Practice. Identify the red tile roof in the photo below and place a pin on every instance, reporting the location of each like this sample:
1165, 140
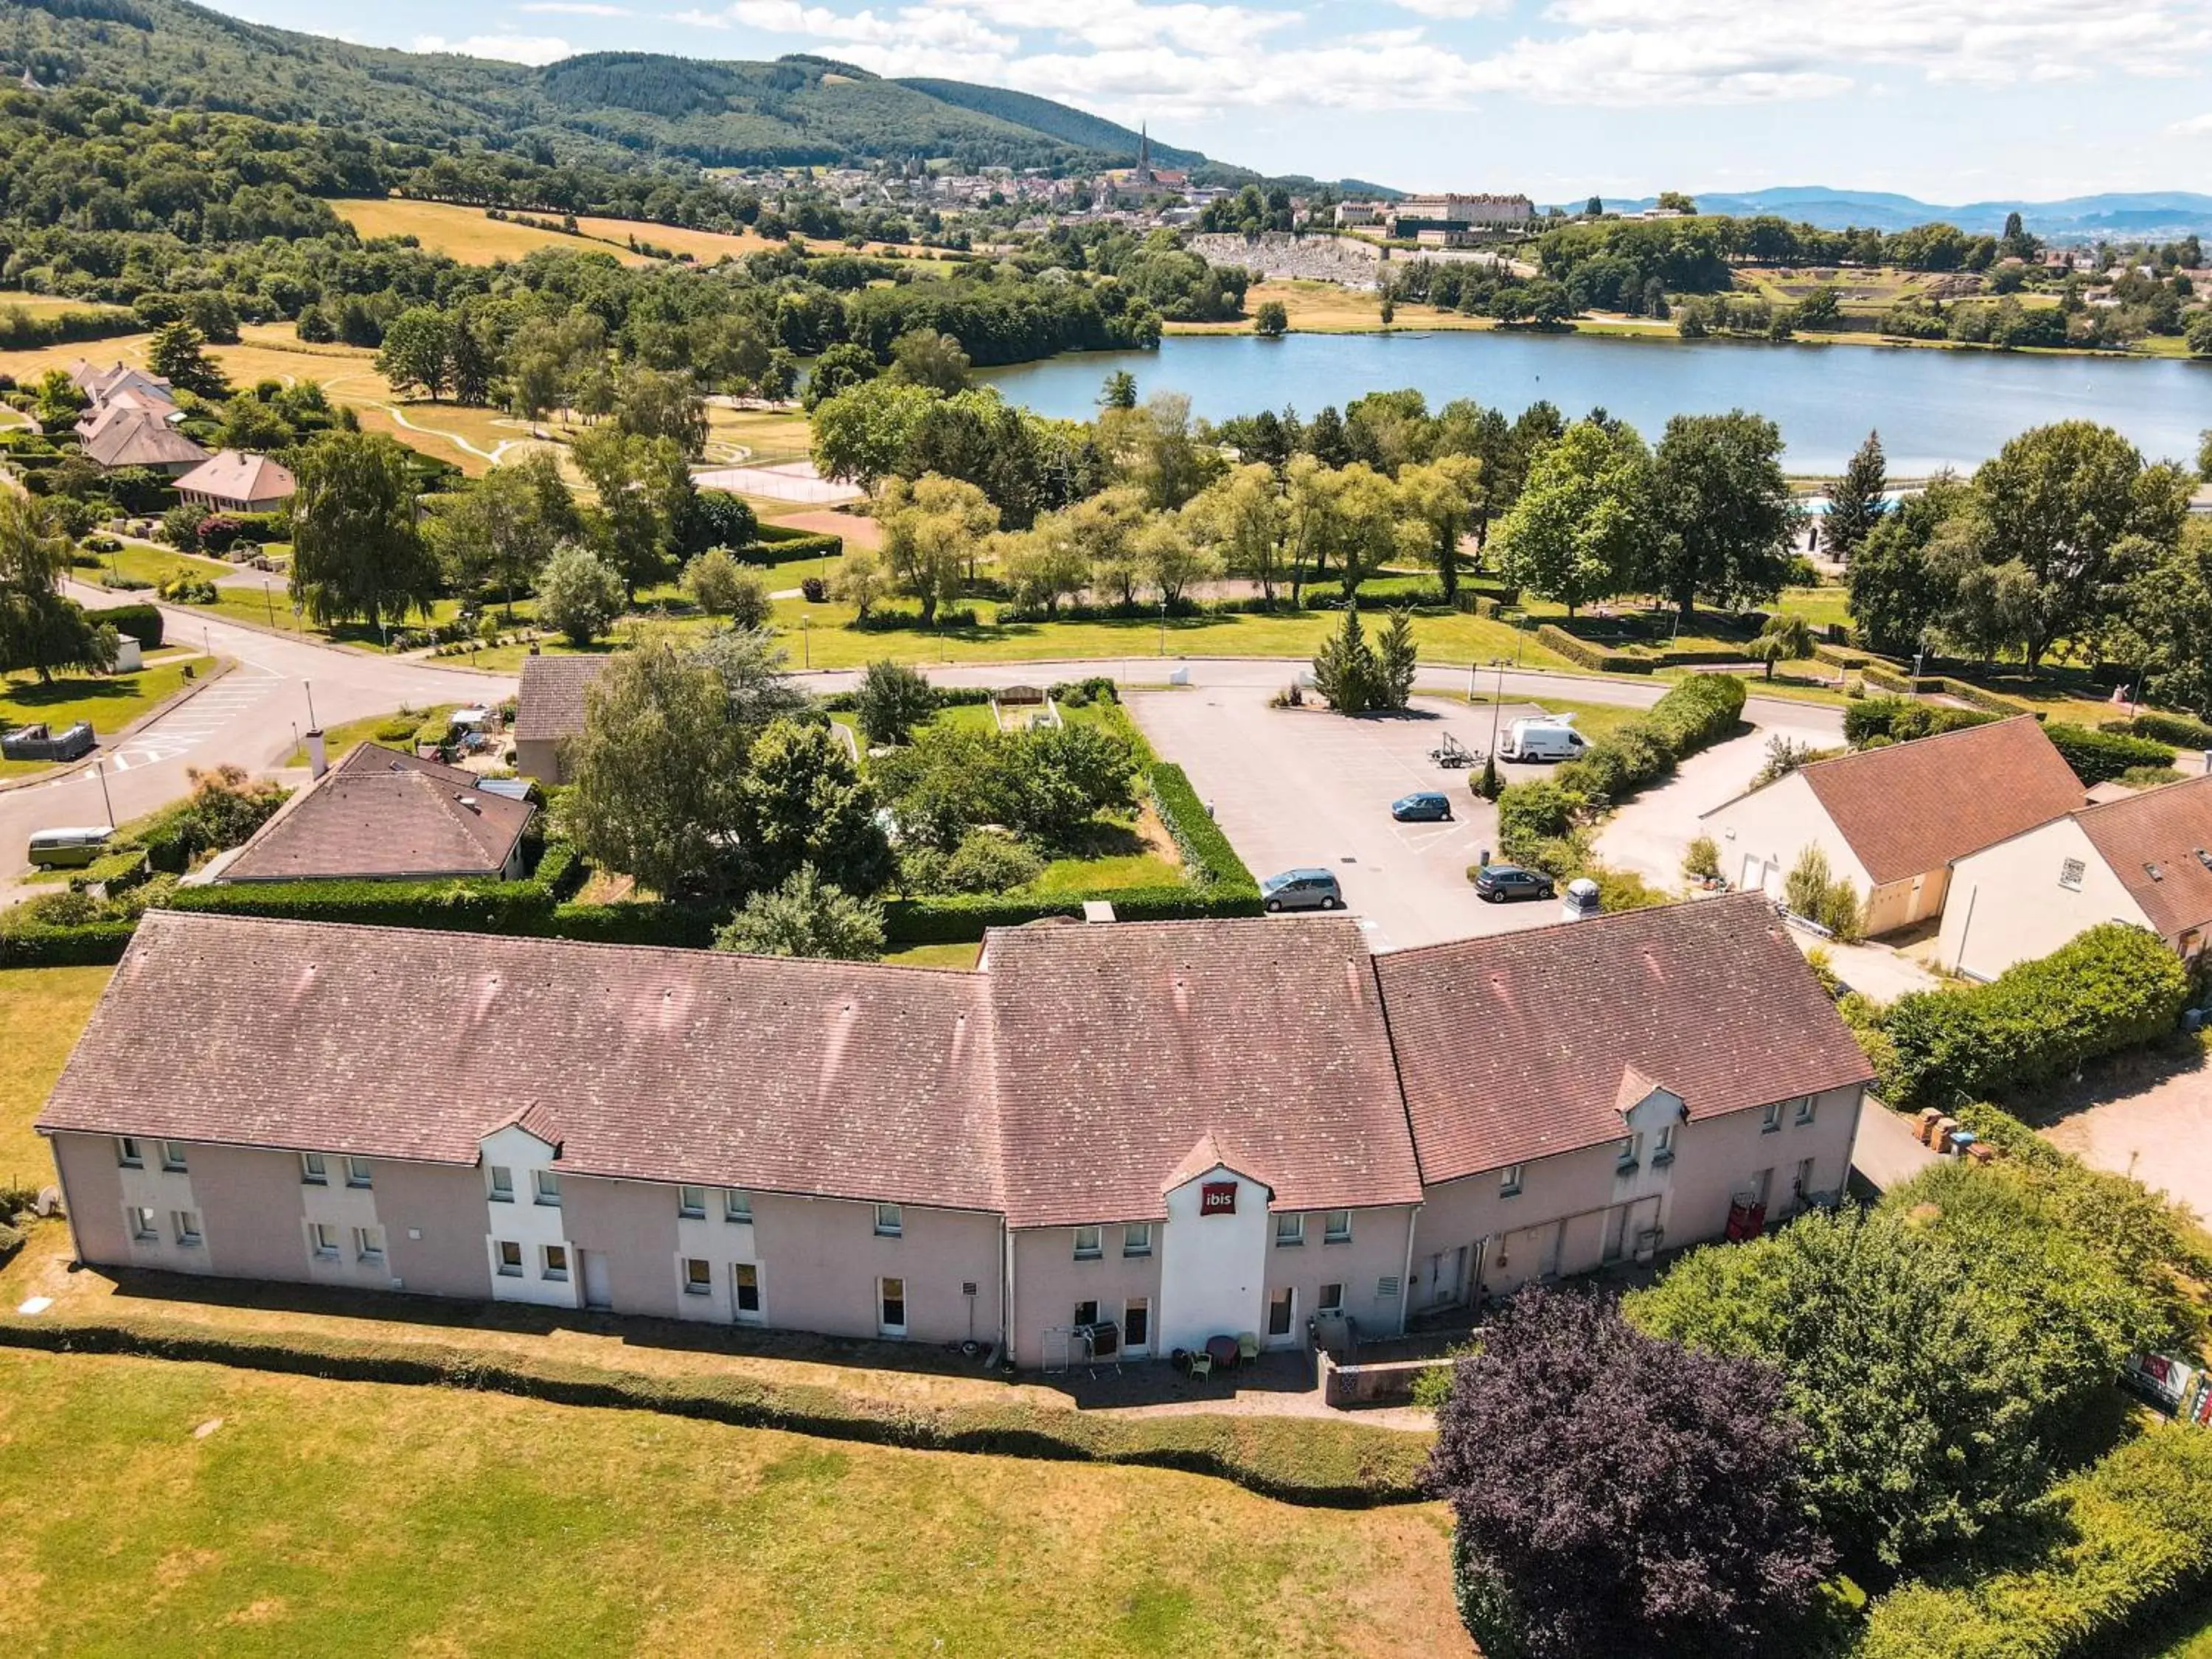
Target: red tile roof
2168, 828
1913, 807
1122, 1045
549, 699
830, 1079
1514, 1047
230, 475
122, 436
382, 815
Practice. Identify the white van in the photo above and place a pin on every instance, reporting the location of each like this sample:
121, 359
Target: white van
1550, 739
60, 850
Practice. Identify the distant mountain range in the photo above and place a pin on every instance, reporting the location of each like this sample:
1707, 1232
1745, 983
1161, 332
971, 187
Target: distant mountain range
2130, 214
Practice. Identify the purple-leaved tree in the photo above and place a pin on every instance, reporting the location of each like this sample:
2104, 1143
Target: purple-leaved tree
1616, 1493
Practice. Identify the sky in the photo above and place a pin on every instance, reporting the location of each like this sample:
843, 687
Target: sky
1950, 101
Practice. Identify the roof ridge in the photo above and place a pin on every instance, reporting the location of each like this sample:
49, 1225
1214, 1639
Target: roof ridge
1921, 743
2156, 791
1710, 902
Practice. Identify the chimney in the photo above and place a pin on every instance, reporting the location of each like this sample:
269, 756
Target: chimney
1580, 900
318, 756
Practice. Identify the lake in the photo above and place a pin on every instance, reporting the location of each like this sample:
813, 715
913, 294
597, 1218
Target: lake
1934, 408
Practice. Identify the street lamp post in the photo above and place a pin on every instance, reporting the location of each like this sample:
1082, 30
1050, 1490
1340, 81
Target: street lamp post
99, 771
312, 725
269, 604
1497, 704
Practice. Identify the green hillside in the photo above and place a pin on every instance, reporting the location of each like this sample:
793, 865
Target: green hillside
607, 109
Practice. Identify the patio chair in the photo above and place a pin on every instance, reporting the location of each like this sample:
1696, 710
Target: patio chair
1248, 1348
1201, 1362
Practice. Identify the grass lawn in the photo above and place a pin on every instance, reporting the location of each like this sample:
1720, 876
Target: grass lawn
136, 562
961, 956
1324, 308
111, 702
1594, 720
42, 1010
181, 1508
339, 741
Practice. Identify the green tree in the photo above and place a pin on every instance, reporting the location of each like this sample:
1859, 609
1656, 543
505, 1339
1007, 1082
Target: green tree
1043, 564
924, 357
1375, 526
840, 367
1785, 638
806, 916
1241, 515
40, 629
579, 594
1902, 581
1395, 661
647, 500
660, 773
1271, 321
1170, 558
930, 528
1721, 513
1674, 201
861, 579
178, 354
418, 351
1344, 668
752, 668
720, 587
805, 804
1573, 534
1856, 501
649, 403
357, 549
1119, 391
891, 700
1154, 448
499, 531
1445, 494
2171, 611
472, 362
2073, 515
862, 434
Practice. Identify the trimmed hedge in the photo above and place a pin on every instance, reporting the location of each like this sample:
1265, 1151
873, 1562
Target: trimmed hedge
2100, 756
95, 944
2178, 730
1901, 720
2132, 1533
143, 623
2116, 986
776, 543
1595, 657
1205, 851
1293, 1460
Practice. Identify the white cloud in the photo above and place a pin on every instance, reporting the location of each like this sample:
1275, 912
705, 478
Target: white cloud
1130, 24
2196, 126
914, 28
532, 49
575, 8
1455, 9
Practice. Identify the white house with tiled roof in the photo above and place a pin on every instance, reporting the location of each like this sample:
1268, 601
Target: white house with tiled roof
1159, 1132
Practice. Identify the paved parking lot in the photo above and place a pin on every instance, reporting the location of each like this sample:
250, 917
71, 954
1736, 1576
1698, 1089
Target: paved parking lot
1304, 786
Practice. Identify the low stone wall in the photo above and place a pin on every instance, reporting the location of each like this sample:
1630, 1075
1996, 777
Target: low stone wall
1375, 1382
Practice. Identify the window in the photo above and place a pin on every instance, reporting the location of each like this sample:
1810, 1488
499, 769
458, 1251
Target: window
143, 1227
502, 1184
127, 1152
188, 1227
1289, 1229
324, 1238
357, 1172
1137, 1238
890, 1223
1771, 1119
1136, 1323
314, 1170
691, 1203
2070, 871
738, 1206
1509, 1182
1662, 1146
173, 1155
510, 1259
1086, 1313
1336, 1227
554, 1264
1090, 1244
549, 1187
746, 1277
698, 1277
890, 1312
1625, 1152
1332, 1298
368, 1245
1282, 1311
1805, 1109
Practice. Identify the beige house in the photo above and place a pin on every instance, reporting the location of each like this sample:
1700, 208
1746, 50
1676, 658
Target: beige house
124, 434
1118, 1138
550, 710
232, 481
2144, 859
1891, 820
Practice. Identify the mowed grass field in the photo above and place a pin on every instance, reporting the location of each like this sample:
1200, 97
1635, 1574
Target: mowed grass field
167, 1508
42, 1010
1325, 308
464, 234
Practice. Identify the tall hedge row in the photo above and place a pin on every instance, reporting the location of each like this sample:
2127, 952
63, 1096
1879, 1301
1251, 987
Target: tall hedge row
2128, 1534
2115, 986
2100, 756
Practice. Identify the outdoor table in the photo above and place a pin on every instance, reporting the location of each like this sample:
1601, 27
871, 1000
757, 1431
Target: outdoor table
1222, 1350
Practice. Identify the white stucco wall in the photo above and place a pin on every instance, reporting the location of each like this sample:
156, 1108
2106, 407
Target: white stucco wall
528, 1223
1213, 1268
1774, 825
2007, 904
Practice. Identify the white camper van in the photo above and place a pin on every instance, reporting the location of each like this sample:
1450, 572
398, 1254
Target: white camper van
1550, 739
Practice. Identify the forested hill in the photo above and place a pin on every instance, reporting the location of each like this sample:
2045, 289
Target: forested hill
606, 108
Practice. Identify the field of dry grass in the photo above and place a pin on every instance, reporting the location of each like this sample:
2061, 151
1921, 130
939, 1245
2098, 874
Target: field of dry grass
464, 232
1324, 308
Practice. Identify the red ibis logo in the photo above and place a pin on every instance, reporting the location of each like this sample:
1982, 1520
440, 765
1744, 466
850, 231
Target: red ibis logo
1217, 1198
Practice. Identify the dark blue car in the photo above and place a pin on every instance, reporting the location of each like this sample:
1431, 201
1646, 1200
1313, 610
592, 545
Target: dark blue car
1426, 807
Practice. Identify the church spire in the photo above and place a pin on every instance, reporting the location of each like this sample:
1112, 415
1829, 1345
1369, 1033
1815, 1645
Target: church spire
1145, 153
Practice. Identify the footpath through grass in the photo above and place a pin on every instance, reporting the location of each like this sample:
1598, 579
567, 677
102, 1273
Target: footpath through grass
42, 1012
162, 1508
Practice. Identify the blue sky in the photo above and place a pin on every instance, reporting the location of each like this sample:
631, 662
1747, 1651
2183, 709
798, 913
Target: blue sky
1947, 100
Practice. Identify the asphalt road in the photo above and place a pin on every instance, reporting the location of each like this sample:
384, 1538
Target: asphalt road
251, 716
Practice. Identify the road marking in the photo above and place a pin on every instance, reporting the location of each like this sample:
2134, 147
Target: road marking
248, 687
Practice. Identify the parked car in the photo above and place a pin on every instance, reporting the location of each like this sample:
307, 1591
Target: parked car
68, 849
1301, 889
1496, 882
1540, 740
1422, 807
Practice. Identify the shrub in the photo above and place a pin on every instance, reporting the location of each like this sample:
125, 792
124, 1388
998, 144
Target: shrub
1813, 891
776, 543
1538, 811
1901, 718
813, 589
987, 860
1701, 861
2149, 777
1208, 859
2116, 986
579, 594
2178, 730
720, 587
891, 700
143, 623
1597, 659
224, 808
806, 916
1486, 784
218, 531
2100, 756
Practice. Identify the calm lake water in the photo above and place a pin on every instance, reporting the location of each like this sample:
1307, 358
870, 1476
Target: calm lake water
1934, 409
